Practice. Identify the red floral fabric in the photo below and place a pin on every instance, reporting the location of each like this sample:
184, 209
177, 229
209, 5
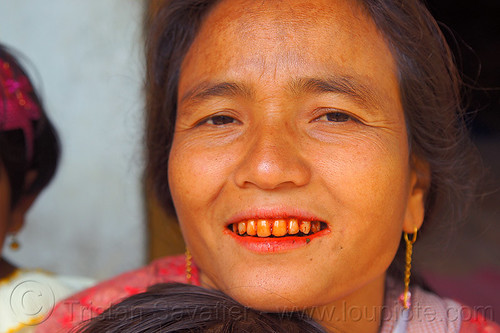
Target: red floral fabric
91, 302
474, 322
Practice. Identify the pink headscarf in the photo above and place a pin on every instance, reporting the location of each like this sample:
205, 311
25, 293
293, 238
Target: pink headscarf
19, 110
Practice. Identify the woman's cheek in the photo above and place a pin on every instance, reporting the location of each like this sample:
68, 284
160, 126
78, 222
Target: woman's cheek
196, 175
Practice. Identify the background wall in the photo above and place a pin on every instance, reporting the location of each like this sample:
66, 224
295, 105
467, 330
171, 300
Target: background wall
87, 54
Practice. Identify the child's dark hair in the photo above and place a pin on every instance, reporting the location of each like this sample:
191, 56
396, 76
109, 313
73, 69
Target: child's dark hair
16, 155
182, 308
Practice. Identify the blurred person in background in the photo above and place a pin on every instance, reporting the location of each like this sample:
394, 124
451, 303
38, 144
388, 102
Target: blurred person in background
29, 153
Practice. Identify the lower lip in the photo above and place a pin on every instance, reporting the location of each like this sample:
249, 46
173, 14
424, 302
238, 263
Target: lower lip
276, 245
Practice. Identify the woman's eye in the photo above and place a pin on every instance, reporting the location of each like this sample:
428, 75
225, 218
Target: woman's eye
337, 117
220, 120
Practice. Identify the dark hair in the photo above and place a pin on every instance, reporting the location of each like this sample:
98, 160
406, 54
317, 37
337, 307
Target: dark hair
431, 95
170, 28
13, 146
430, 88
177, 307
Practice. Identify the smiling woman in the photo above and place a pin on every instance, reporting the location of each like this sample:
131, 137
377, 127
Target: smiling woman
286, 157
300, 143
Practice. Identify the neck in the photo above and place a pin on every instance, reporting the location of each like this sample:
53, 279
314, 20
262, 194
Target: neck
360, 311
6, 268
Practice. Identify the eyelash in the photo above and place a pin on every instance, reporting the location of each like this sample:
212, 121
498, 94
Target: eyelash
333, 117
344, 117
218, 120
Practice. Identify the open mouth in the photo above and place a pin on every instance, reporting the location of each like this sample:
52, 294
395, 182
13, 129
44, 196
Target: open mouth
276, 227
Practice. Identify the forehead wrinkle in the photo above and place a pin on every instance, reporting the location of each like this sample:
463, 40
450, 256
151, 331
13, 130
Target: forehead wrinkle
285, 14
343, 85
279, 20
278, 24
250, 22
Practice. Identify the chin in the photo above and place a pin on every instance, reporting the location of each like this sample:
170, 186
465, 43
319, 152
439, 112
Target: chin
275, 290
267, 300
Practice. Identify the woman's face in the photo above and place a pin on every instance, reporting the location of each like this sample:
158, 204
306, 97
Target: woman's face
289, 111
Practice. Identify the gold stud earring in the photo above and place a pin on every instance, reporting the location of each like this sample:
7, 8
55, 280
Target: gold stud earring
409, 252
14, 243
188, 266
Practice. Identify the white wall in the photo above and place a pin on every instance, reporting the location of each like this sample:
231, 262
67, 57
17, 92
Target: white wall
90, 221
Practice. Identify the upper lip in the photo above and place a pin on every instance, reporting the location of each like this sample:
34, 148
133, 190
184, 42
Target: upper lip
274, 212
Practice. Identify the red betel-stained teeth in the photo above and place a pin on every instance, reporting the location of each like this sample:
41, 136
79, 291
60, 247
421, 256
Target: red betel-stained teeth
263, 228
242, 228
251, 227
315, 226
279, 228
305, 227
293, 226
275, 227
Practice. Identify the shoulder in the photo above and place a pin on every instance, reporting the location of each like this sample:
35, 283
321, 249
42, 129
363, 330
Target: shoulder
432, 313
475, 322
93, 301
446, 315
28, 296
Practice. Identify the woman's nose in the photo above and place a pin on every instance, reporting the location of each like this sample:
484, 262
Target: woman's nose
273, 160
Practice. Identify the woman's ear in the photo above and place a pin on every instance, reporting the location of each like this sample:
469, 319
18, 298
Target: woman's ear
24, 203
420, 182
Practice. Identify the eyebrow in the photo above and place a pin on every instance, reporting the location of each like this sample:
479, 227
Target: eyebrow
206, 90
343, 85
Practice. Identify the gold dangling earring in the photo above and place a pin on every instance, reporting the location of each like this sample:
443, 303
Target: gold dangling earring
409, 252
402, 322
188, 266
14, 243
